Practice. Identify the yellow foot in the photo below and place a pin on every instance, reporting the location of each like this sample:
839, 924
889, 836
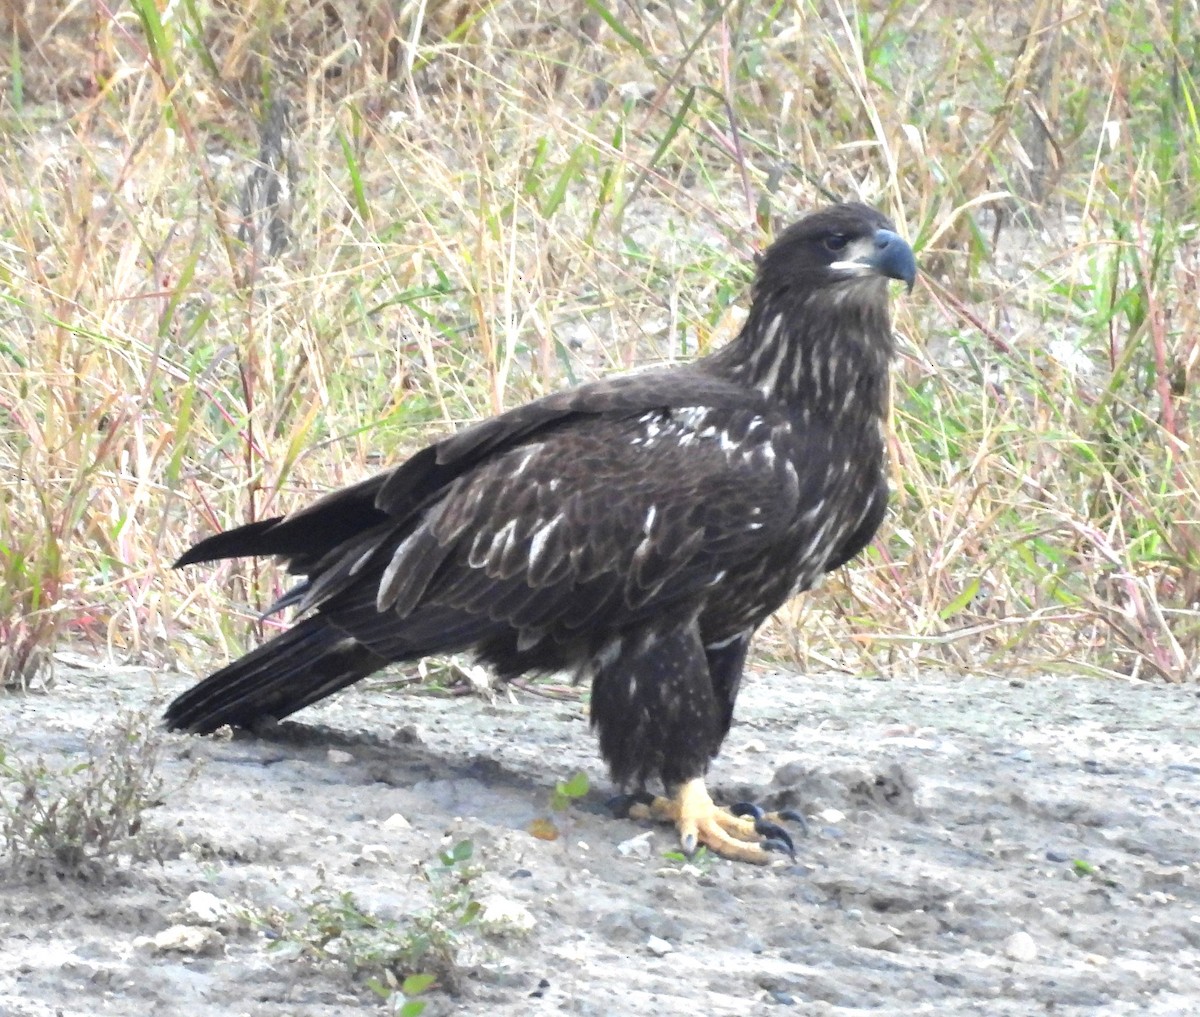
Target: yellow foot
755, 838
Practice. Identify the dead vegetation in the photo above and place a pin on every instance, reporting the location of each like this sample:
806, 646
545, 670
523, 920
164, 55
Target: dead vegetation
478, 203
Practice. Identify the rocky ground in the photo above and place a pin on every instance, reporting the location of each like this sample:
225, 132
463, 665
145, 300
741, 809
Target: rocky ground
975, 847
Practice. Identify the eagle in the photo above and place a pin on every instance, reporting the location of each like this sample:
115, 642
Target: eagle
634, 532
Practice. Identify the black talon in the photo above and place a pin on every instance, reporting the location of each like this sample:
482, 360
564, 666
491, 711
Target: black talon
620, 805
776, 834
750, 809
792, 816
783, 847
746, 809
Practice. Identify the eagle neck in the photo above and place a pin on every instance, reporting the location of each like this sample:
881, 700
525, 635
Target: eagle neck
823, 352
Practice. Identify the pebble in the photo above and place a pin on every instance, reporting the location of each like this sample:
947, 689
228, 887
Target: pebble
395, 822
659, 947
204, 908
636, 847
1021, 947
654, 922
200, 942
674, 872
501, 916
878, 937
1169, 876
795, 772
376, 854
339, 757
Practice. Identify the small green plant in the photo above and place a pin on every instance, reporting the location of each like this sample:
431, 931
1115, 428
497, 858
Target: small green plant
701, 859
403, 999
1088, 870
398, 959
565, 792
436, 931
76, 818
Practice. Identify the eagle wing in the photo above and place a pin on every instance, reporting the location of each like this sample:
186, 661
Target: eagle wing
594, 507
315, 538
594, 523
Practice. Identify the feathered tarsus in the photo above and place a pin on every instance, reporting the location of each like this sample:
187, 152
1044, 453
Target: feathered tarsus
634, 531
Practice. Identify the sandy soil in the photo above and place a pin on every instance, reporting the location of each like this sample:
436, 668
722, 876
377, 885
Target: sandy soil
940, 875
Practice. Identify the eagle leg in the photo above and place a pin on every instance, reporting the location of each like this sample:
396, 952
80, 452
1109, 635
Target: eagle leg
744, 833
659, 714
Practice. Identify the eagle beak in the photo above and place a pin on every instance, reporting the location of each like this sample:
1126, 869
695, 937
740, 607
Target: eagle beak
886, 254
892, 257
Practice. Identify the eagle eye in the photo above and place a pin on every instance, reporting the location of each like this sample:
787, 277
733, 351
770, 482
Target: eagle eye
836, 242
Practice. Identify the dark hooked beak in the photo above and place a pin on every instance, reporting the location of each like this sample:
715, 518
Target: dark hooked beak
892, 257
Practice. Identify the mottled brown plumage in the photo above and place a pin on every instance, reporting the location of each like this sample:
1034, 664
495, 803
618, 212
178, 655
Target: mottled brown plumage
634, 531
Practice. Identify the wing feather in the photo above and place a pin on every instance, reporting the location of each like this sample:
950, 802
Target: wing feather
588, 525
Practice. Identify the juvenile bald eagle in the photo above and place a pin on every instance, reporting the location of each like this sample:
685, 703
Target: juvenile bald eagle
634, 531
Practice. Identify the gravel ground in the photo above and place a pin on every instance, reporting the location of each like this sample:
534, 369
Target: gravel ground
974, 847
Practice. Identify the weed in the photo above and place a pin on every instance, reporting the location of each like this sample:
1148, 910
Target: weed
698, 863
396, 959
561, 798
77, 819
567, 791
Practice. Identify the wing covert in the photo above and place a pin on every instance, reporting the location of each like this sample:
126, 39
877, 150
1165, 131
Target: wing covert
537, 537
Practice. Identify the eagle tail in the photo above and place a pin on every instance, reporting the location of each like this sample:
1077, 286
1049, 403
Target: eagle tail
306, 663
236, 543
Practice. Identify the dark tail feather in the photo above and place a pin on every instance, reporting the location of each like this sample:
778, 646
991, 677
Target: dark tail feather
306, 663
304, 536
244, 540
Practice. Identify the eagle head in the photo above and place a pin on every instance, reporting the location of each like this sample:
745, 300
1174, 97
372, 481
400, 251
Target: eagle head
840, 244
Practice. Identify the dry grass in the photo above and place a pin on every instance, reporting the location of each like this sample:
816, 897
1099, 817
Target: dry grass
490, 201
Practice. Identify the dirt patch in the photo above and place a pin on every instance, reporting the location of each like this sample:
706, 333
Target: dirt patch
975, 847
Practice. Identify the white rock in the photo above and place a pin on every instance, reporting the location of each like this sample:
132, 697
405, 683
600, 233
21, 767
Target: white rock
500, 915
376, 854
1021, 947
679, 871
831, 815
204, 908
659, 947
338, 757
183, 939
636, 847
396, 822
